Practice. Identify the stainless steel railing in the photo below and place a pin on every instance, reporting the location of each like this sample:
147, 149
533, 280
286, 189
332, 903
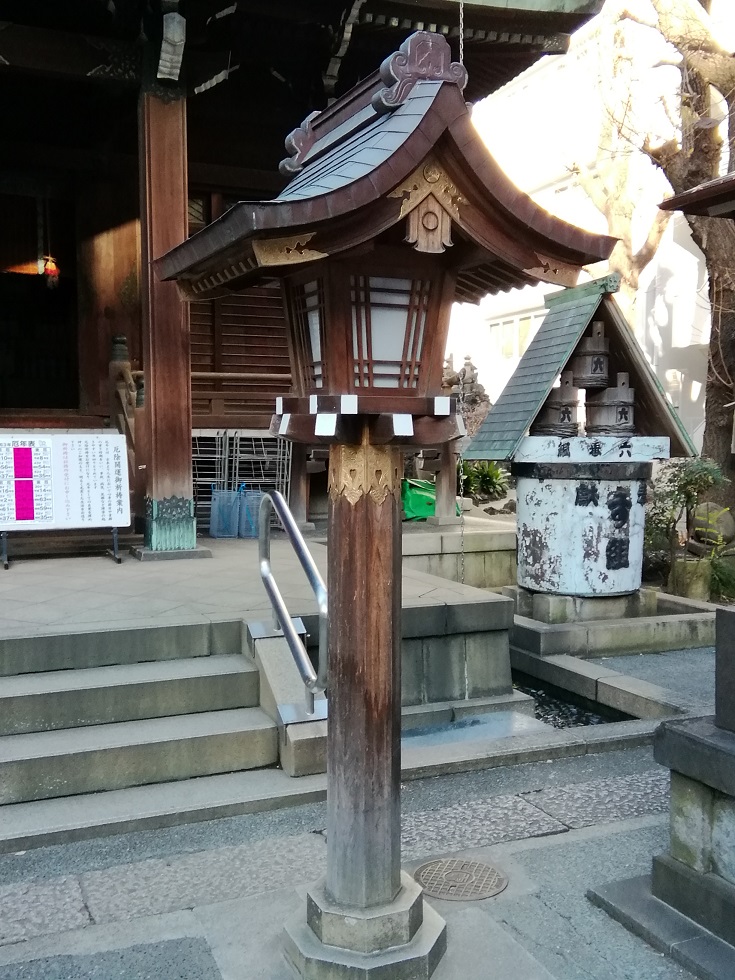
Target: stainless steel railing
314, 681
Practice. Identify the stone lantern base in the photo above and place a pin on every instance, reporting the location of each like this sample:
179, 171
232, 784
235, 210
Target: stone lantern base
401, 941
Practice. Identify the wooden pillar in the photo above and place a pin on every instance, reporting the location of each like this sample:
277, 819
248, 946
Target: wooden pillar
298, 500
363, 748
170, 524
445, 511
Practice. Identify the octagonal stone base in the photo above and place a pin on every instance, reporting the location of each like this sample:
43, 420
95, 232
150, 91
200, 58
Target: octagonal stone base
313, 960
370, 930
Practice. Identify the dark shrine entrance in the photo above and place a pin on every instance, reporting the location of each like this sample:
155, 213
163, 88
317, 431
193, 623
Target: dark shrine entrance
38, 301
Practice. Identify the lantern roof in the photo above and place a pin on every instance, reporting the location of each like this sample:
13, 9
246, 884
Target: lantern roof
397, 146
714, 199
570, 313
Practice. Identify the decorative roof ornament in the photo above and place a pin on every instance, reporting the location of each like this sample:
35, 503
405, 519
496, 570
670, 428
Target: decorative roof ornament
298, 143
421, 57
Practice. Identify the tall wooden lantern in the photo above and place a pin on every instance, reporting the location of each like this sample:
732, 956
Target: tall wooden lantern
394, 209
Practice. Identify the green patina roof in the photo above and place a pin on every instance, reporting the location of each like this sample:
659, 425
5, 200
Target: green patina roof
570, 313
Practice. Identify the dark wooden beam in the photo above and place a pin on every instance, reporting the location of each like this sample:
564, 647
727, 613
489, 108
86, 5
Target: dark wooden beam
58, 53
102, 162
21, 154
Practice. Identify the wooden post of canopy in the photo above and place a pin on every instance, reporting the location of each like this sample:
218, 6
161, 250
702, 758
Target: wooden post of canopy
298, 500
170, 522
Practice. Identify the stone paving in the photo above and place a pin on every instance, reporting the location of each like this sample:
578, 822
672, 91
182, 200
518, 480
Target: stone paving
692, 671
58, 595
155, 904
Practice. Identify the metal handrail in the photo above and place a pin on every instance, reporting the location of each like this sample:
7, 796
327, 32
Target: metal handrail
314, 681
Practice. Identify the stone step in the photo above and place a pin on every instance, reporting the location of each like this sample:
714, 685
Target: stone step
46, 822
63, 699
45, 765
80, 650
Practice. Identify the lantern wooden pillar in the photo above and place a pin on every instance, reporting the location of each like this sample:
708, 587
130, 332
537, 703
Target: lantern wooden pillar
364, 752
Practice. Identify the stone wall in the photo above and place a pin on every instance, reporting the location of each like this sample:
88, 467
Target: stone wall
453, 652
489, 557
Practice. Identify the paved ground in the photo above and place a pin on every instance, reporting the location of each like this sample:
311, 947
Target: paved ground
208, 901
56, 595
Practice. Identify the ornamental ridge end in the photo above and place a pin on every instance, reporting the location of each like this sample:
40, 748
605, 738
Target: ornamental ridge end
423, 57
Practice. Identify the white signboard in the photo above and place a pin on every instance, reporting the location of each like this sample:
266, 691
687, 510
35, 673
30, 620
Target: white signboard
63, 481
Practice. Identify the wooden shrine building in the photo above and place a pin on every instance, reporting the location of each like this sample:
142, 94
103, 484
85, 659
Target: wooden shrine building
130, 125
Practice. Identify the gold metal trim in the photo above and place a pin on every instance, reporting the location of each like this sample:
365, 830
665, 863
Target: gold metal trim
286, 251
365, 470
429, 178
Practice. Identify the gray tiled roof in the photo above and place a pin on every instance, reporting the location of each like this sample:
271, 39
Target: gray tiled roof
520, 401
362, 152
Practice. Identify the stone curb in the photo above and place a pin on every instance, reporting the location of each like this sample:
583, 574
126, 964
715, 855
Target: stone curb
629, 695
631, 903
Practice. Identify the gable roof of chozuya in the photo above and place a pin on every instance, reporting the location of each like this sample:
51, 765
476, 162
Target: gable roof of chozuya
361, 166
570, 313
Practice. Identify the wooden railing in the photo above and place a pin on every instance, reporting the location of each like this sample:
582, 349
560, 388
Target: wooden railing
126, 411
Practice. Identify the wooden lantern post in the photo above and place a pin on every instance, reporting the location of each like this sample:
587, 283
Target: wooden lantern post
394, 209
364, 754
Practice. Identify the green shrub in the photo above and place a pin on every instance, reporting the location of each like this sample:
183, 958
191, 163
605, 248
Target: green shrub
482, 479
492, 479
467, 479
677, 489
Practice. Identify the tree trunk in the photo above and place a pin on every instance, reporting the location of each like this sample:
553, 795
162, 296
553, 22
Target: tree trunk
719, 397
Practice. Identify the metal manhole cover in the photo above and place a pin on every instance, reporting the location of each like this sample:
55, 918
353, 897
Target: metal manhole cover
460, 881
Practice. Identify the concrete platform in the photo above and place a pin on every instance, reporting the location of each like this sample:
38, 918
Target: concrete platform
55, 596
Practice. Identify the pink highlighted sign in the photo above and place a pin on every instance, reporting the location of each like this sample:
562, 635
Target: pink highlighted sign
24, 508
23, 463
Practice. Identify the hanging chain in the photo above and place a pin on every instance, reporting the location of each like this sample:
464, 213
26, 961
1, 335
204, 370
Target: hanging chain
461, 32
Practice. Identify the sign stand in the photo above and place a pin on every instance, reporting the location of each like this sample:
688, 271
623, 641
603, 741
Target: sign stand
113, 552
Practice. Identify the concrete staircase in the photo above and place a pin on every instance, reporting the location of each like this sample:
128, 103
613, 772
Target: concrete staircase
126, 730
87, 718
